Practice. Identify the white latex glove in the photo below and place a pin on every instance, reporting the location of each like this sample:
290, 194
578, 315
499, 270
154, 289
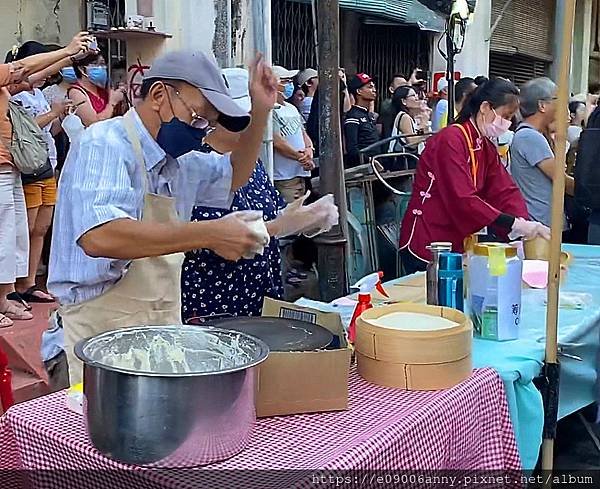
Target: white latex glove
528, 230
316, 218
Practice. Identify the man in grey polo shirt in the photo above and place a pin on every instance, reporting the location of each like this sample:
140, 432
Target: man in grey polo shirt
532, 158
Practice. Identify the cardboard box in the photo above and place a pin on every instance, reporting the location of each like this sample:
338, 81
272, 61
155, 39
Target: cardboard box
304, 382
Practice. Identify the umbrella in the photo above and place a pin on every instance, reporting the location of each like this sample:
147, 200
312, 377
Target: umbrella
551, 367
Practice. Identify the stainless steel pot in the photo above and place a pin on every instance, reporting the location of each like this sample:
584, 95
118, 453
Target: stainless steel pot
170, 396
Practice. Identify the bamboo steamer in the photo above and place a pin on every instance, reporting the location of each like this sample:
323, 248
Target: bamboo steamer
539, 249
414, 359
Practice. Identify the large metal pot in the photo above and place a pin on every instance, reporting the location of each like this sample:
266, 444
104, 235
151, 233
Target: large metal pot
170, 396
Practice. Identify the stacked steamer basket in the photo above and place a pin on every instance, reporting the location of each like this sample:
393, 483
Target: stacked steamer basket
414, 347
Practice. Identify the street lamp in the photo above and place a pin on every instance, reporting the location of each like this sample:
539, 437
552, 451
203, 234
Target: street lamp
457, 13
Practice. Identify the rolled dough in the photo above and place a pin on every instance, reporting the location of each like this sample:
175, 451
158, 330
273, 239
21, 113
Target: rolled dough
413, 321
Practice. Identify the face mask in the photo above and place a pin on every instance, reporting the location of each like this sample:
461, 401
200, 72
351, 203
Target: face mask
497, 127
68, 74
288, 91
177, 138
98, 75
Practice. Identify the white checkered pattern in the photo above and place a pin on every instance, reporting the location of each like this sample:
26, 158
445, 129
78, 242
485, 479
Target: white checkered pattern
464, 428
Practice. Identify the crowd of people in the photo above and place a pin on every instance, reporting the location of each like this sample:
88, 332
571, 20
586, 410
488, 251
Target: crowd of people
152, 211
509, 132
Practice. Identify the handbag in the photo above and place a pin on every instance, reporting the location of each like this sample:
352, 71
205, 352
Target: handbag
43, 173
27, 146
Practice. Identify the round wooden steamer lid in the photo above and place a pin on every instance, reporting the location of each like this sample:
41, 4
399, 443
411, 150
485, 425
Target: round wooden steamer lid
414, 347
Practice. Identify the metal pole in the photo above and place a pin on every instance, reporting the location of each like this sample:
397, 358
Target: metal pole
228, 43
558, 194
261, 30
450, 52
313, 8
333, 281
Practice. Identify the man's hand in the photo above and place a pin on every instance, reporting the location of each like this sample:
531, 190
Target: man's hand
263, 86
413, 78
17, 73
308, 165
79, 43
306, 154
236, 237
306, 159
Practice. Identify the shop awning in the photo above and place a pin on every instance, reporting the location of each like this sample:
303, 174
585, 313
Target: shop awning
406, 12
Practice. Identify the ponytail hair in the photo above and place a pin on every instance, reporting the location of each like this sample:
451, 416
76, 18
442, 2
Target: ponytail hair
497, 92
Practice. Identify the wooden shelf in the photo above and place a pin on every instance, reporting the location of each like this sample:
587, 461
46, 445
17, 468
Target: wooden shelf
131, 34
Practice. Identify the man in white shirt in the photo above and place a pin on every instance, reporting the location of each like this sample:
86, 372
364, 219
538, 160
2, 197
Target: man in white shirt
441, 108
293, 149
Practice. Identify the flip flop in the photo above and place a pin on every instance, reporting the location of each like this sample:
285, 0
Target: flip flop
16, 297
29, 296
14, 313
5, 322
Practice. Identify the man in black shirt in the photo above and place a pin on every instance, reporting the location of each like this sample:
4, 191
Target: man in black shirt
360, 127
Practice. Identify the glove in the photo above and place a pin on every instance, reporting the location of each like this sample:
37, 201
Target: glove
316, 218
528, 230
254, 220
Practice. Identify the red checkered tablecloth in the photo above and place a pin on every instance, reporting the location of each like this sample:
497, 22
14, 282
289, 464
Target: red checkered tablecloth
43, 445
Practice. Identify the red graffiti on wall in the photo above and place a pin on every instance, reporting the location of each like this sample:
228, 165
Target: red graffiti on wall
136, 75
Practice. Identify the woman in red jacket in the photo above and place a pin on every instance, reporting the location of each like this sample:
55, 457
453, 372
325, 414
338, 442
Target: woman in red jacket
461, 187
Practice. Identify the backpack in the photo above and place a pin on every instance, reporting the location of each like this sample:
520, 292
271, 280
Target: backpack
28, 145
587, 169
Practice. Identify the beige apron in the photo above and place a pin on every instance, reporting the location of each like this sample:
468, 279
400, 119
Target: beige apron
149, 293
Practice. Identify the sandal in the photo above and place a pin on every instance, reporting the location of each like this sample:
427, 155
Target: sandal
13, 312
16, 297
29, 296
5, 322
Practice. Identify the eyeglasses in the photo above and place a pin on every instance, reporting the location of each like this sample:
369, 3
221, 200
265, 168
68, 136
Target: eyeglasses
198, 122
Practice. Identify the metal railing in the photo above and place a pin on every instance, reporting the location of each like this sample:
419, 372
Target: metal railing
365, 175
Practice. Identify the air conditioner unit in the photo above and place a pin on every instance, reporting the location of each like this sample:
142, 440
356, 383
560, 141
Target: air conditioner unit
98, 15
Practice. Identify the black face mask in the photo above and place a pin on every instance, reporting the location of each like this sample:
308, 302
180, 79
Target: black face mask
177, 138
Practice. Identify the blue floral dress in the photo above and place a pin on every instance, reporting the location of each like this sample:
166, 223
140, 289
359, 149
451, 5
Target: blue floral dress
213, 286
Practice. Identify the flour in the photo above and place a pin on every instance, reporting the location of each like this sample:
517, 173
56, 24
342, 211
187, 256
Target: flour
412, 321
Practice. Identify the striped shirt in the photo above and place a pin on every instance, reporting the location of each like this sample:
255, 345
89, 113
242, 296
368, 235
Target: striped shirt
102, 181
